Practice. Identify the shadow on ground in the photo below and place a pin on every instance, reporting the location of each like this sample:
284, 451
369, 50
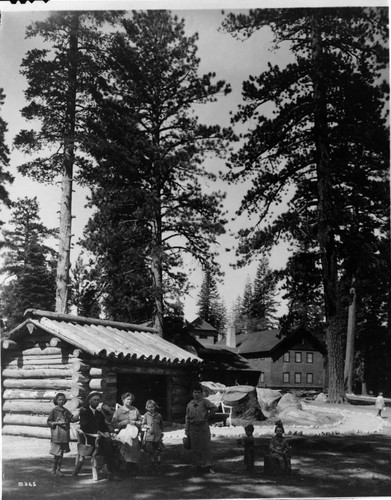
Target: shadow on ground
322, 467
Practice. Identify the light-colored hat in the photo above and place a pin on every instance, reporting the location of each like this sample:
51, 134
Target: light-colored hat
92, 394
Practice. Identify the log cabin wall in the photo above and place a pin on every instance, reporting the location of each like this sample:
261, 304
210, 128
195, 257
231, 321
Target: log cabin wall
34, 371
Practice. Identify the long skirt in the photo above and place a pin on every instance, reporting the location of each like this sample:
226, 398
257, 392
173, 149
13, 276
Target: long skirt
200, 442
131, 453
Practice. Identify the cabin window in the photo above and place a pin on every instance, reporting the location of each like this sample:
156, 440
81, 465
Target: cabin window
310, 357
287, 357
310, 378
286, 377
297, 378
262, 377
297, 357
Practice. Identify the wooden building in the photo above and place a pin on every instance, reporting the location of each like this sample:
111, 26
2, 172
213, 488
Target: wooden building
50, 353
295, 361
203, 332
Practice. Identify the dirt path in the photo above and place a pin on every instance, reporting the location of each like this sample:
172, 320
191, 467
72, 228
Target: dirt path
349, 458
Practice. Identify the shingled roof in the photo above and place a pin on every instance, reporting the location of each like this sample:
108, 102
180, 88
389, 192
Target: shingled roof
105, 338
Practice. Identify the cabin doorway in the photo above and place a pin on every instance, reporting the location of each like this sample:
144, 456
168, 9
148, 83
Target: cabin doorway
144, 386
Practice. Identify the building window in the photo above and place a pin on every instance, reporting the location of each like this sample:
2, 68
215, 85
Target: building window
310, 378
310, 357
297, 357
262, 378
285, 377
297, 378
287, 357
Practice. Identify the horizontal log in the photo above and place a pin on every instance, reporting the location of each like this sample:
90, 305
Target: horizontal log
27, 431
31, 394
80, 366
79, 391
97, 384
10, 344
97, 372
56, 342
21, 419
80, 378
39, 406
39, 373
77, 353
34, 351
37, 383
45, 361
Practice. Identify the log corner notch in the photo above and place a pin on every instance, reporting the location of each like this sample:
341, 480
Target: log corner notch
9, 344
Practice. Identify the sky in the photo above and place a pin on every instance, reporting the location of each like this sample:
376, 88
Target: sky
232, 60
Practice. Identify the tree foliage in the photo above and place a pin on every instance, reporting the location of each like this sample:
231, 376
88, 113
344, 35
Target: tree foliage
61, 83
150, 148
29, 264
320, 141
5, 176
210, 306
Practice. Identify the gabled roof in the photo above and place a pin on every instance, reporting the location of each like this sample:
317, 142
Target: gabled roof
201, 324
269, 343
201, 327
106, 338
259, 342
224, 358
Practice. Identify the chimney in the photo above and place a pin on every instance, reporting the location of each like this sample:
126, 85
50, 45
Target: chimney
231, 335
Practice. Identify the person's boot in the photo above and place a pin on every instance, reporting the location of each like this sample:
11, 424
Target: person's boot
77, 469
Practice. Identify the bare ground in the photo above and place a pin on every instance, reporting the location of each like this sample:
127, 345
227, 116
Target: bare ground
347, 454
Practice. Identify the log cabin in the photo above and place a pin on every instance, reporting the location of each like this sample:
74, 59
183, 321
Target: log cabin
50, 353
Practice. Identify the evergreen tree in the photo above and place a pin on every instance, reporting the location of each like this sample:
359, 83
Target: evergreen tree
29, 264
148, 138
119, 245
210, 306
246, 305
326, 133
85, 295
5, 176
236, 315
61, 83
263, 302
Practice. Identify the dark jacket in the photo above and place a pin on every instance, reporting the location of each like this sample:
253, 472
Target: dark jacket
91, 424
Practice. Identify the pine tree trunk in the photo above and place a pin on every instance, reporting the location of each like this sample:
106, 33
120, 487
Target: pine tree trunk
348, 372
326, 236
64, 250
156, 267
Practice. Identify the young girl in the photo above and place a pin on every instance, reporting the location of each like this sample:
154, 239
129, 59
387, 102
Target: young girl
59, 422
279, 449
197, 429
152, 424
248, 444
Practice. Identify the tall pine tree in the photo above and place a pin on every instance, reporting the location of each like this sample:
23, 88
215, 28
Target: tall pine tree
150, 138
61, 84
326, 132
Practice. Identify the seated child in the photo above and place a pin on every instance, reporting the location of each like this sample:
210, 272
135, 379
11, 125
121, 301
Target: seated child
279, 449
152, 424
248, 443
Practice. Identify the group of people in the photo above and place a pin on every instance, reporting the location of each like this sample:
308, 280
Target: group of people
126, 421
129, 426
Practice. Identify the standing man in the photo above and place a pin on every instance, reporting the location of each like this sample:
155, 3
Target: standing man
93, 424
380, 404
